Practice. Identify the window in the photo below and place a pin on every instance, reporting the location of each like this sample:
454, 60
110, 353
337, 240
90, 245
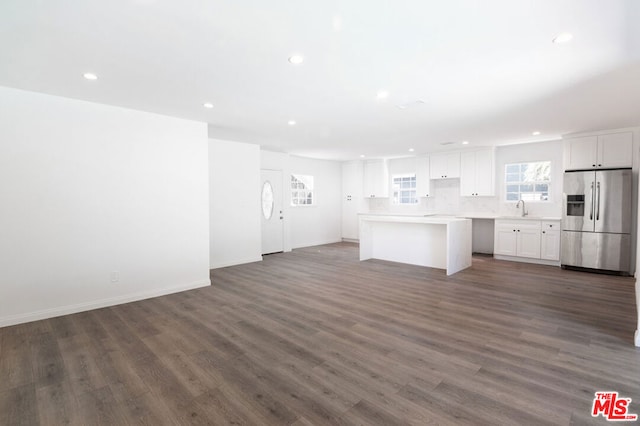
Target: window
301, 190
528, 181
267, 200
404, 189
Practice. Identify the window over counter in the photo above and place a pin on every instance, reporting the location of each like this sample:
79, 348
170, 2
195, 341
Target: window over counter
404, 189
528, 181
302, 190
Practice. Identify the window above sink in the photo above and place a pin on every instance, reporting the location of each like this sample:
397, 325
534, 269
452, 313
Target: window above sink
530, 182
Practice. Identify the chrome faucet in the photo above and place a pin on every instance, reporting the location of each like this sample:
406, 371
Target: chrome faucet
524, 212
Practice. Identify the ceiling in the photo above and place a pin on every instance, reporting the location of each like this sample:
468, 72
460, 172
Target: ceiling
484, 71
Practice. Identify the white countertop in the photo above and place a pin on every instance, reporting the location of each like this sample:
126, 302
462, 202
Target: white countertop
430, 219
529, 218
444, 217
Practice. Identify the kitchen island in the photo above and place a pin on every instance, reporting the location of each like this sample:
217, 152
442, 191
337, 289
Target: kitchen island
442, 242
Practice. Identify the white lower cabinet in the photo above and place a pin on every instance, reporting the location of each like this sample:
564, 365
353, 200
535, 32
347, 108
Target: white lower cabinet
517, 238
531, 239
550, 241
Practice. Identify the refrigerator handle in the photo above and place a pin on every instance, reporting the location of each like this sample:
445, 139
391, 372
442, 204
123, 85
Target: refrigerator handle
592, 197
598, 203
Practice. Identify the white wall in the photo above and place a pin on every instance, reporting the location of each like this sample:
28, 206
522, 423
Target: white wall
234, 199
309, 225
320, 223
446, 197
539, 151
88, 190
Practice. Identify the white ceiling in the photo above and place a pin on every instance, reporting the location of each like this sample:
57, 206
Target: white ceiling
486, 70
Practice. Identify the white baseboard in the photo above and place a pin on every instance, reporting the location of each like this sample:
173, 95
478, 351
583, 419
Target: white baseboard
350, 240
317, 243
527, 260
96, 304
235, 262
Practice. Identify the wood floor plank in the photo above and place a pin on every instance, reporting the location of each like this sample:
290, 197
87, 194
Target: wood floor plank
58, 405
16, 367
47, 363
316, 336
99, 407
18, 406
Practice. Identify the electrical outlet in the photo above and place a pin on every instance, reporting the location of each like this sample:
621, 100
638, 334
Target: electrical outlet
115, 276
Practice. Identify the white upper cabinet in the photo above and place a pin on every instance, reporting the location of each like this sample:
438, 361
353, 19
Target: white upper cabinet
615, 150
477, 173
376, 179
599, 152
423, 178
445, 166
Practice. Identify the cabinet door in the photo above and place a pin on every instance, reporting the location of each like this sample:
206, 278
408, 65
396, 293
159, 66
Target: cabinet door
351, 198
444, 166
505, 240
453, 165
423, 177
467, 174
550, 245
615, 150
528, 244
485, 173
580, 153
376, 179
438, 166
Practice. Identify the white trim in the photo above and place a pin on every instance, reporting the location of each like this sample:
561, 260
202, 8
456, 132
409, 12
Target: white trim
350, 240
236, 262
318, 243
601, 132
87, 306
527, 260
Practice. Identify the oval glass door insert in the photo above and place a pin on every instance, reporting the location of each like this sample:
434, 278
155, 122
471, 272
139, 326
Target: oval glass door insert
267, 200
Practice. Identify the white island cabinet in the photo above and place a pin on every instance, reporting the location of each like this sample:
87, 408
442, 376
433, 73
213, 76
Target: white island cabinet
435, 242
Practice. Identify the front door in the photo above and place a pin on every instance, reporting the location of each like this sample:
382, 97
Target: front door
272, 218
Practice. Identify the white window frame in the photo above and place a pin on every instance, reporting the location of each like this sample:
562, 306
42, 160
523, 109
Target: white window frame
302, 192
412, 191
534, 196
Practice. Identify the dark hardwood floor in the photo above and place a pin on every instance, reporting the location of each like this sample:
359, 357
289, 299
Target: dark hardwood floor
317, 337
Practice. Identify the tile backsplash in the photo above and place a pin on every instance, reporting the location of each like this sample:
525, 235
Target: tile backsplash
447, 200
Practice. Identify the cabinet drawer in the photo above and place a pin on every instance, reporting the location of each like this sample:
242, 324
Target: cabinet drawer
551, 226
518, 224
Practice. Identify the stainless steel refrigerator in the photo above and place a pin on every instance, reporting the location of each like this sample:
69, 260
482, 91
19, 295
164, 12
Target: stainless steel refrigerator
596, 220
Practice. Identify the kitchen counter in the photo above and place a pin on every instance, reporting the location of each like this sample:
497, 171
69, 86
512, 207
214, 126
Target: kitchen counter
464, 216
435, 241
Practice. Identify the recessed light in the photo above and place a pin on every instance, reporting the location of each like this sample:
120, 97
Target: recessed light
465, 142
291, 122
411, 149
296, 59
90, 76
563, 38
536, 133
361, 155
207, 105
382, 94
